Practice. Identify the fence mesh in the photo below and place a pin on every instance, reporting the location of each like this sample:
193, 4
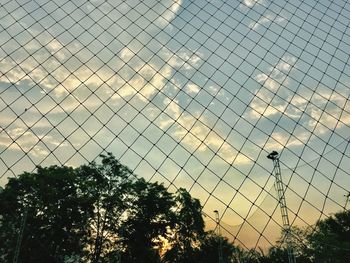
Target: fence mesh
193, 94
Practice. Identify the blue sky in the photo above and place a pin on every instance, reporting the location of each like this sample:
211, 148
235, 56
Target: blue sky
194, 94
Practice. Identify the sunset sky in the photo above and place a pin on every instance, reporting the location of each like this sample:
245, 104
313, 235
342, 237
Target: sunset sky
194, 94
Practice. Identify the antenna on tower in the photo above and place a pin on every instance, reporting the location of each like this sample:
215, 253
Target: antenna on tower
283, 204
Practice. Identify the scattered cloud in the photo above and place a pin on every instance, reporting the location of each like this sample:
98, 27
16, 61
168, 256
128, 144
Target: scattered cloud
194, 132
183, 58
278, 141
192, 88
336, 116
251, 3
264, 20
265, 102
170, 13
24, 140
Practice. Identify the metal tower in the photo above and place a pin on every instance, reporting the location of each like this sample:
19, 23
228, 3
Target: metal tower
283, 205
217, 218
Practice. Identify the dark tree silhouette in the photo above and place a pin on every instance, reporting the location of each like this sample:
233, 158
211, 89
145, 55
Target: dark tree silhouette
99, 212
188, 232
148, 218
209, 252
330, 239
94, 213
57, 216
107, 187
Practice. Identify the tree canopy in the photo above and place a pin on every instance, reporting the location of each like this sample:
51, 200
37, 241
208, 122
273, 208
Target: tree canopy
96, 213
101, 212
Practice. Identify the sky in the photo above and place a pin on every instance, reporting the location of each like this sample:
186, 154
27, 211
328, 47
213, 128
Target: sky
192, 94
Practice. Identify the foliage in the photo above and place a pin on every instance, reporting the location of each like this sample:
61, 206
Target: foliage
101, 212
148, 217
107, 188
330, 239
327, 241
209, 252
56, 224
188, 229
96, 212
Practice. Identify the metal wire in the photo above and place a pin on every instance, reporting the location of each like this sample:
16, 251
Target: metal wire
194, 94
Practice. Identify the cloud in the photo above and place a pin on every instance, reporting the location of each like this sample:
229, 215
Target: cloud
251, 3
192, 88
126, 54
194, 132
143, 84
318, 121
335, 117
59, 63
143, 79
278, 141
183, 58
266, 20
319, 110
24, 140
170, 13
265, 102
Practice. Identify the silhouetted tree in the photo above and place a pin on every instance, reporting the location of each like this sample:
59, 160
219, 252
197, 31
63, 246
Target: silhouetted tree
188, 231
108, 188
330, 239
278, 253
149, 217
209, 252
98, 212
56, 216
94, 213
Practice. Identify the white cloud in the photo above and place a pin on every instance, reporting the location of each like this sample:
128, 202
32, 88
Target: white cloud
286, 63
194, 132
183, 58
266, 102
169, 14
262, 77
145, 79
278, 141
318, 120
265, 20
126, 54
334, 117
145, 83
251, 3
192, 88
24, 140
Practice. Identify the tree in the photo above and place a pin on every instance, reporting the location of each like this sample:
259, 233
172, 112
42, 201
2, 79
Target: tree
148, 219
100, 211
208, 250
330, 239
108, 188
188, 230
278, 253
56, 216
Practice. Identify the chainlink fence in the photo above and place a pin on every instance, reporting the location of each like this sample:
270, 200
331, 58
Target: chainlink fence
193, 94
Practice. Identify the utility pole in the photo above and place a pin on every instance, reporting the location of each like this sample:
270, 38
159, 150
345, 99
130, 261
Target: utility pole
119, 254
283, 204
217, 218
20, 236
347, 200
